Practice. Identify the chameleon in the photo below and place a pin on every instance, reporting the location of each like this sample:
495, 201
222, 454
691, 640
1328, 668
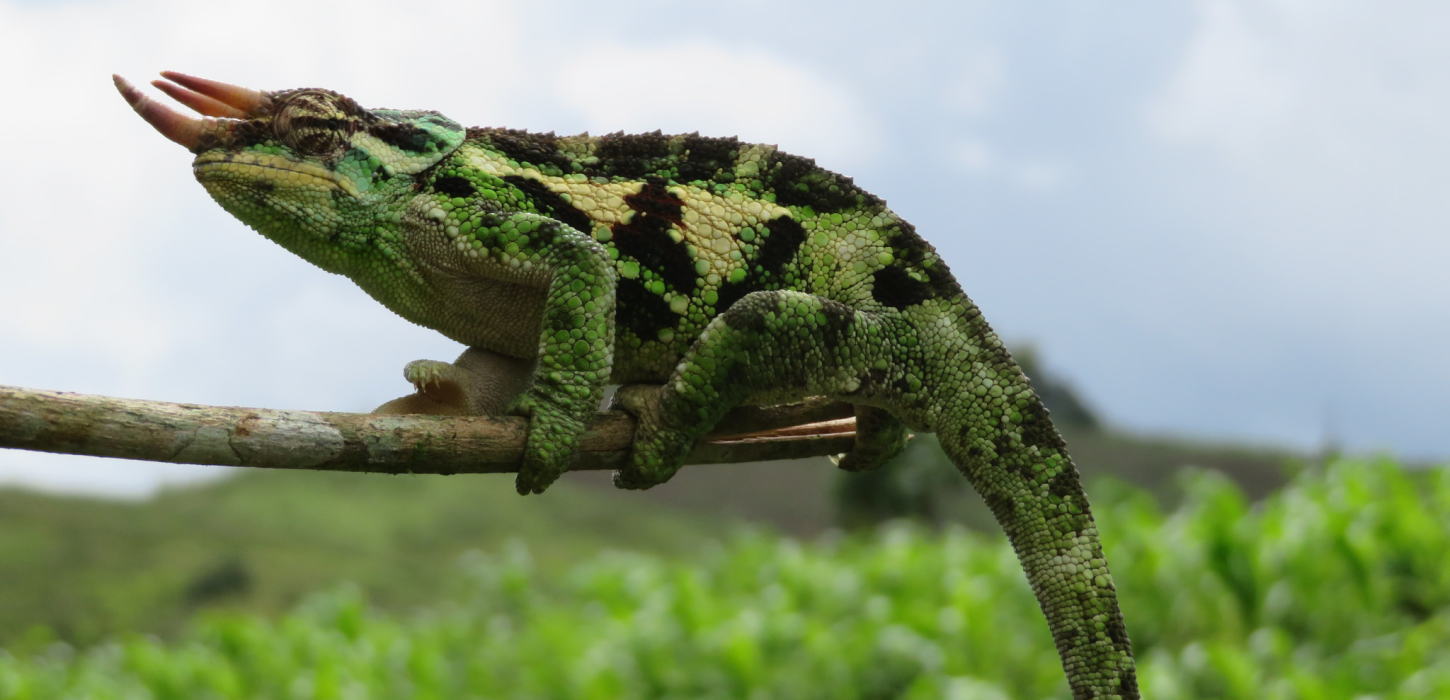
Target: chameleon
697, 273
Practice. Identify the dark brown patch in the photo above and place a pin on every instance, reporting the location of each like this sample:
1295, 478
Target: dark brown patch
540, 150
705, 158
917, 254
1037, 428
1128, 686
894, 287
784, 237
781, 245
454, 186
549, 203
1064, 484
631, 156
655, 200
642, 311
731, 292
646, 236
1118, 633
799, 182
402, 136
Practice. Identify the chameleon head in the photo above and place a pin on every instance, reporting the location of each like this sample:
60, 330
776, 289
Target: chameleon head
308, 168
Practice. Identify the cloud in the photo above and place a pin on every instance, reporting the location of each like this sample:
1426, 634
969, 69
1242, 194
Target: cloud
1328, 118
974, 156
978, 158
1341, 85
1229, 90
1315, 136
117, 273
980, 80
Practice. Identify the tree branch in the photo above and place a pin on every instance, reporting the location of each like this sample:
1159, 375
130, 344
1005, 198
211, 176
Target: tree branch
104, 426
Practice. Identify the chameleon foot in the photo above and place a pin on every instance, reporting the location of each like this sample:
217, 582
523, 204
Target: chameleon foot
658, 452
549, 448
478, 383
879, 437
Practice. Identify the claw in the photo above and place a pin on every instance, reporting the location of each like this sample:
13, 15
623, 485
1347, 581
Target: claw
247, 101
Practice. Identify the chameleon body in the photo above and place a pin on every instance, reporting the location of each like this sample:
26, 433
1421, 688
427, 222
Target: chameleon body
720, 272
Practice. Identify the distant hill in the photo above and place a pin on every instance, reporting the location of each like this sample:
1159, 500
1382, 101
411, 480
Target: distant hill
88, 568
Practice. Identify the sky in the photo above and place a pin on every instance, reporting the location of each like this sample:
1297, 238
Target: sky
1222, 219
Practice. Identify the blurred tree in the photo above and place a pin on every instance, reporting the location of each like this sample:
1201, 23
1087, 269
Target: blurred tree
227, 577
1063, 401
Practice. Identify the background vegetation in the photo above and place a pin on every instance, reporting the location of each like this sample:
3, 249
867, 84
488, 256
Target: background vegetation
1334, 587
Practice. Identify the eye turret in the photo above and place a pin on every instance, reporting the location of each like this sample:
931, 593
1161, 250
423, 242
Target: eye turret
314, 122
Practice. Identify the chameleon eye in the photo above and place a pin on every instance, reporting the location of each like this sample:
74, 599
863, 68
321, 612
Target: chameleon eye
312, 123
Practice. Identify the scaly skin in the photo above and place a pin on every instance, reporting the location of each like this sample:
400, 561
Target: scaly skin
727, 273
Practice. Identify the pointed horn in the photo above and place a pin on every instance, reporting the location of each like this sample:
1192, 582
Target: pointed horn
250, 102
178, 127
211, 107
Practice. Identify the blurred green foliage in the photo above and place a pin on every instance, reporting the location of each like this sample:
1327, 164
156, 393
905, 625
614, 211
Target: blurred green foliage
1335, 587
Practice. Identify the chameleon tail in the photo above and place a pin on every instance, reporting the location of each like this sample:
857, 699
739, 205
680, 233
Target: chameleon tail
1021, 468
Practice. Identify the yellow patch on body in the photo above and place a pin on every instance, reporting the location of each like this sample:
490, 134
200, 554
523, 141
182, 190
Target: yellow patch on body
711, 222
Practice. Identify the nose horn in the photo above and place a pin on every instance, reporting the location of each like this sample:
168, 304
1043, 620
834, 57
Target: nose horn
178, 127
210, 98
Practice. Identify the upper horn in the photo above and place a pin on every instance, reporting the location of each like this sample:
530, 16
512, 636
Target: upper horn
216, 99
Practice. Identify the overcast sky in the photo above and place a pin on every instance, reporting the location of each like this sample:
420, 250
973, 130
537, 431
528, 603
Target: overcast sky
1222, 218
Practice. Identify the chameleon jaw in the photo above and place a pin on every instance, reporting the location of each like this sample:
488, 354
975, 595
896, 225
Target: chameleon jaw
283, 170
221, 104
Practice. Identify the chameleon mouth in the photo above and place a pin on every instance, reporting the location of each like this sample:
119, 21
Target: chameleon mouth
218, 165
221, 105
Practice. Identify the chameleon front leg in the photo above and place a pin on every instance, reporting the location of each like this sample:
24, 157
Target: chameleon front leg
576, 347
575, 318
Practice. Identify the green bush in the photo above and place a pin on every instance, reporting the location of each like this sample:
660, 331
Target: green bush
1337, 587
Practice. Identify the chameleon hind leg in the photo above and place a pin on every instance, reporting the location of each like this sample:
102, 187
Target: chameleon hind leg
879, 435
770, 345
